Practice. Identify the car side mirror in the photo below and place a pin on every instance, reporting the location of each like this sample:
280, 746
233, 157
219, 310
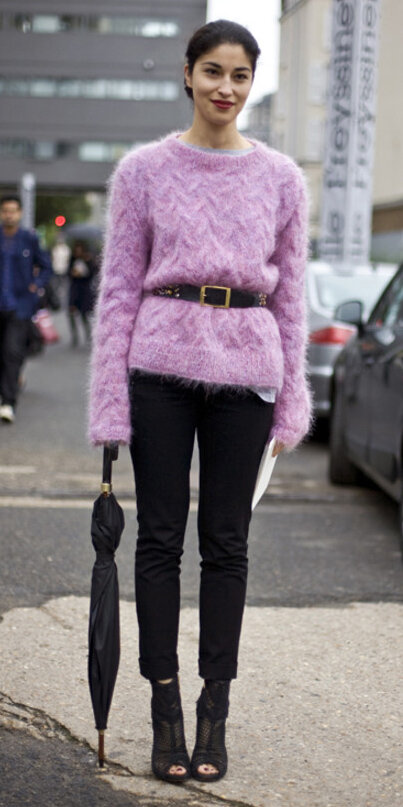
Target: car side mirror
351, 311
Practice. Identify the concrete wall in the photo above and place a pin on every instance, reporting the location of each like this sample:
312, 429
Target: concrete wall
299, 109
388, 169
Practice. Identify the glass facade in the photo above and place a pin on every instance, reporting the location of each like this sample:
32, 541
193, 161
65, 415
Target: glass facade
32, 149
59, 23
133, 27
42, 23
91, 151
103, 152
66, 70
117, 89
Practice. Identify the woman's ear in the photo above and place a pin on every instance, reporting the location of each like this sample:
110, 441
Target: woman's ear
188, 77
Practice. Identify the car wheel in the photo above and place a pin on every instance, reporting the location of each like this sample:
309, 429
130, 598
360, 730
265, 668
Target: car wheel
341, 470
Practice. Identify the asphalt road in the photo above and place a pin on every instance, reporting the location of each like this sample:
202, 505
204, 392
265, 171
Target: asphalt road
60, 773
301, 553
310, 544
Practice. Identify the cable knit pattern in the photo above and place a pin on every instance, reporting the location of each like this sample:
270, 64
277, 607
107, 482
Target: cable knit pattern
181, 215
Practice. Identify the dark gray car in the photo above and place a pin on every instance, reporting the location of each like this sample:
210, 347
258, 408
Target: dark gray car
328, 286
367, 401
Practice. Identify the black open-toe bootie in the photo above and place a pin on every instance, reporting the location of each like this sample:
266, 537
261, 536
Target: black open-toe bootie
169, 747
212, 711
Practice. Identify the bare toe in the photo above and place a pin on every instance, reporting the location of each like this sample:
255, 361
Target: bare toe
208, 769
177, 770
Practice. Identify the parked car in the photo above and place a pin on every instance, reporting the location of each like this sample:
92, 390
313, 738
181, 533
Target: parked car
366, 427
327, 287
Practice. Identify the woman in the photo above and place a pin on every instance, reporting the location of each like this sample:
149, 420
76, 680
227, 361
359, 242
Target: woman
200, 330
81, 272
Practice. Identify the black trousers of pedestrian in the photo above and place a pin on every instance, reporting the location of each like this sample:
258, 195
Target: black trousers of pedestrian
232, 429
13, 345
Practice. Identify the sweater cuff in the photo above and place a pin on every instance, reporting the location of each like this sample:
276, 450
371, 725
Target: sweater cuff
288, 437
98, 436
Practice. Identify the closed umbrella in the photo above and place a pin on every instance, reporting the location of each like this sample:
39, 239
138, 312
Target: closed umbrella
104, 630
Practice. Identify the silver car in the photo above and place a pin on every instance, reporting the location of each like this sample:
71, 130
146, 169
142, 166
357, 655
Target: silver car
327, 287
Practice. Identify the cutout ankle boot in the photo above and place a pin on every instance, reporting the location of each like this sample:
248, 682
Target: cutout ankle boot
169, 747
212, 711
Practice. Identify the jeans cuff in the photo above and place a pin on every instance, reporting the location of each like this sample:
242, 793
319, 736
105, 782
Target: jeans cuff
218, 672
158, 670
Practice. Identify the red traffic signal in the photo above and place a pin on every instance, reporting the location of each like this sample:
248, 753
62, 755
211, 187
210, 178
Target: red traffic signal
60, 221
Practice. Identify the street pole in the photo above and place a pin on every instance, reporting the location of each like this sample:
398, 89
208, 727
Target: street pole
27, 193
346, 210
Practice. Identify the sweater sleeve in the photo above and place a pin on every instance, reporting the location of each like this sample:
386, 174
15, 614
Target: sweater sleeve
292, 411
123, 268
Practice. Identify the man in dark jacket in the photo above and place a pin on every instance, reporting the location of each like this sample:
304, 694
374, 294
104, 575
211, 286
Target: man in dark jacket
24, 269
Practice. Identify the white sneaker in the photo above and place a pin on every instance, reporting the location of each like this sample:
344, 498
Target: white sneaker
7, 413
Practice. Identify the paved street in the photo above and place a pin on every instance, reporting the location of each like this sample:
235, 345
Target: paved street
321, 654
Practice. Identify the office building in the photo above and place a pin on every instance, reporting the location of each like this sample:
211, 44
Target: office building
84, 80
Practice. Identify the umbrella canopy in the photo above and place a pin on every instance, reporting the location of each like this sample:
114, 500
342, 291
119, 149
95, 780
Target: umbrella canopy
85, 231
104, 631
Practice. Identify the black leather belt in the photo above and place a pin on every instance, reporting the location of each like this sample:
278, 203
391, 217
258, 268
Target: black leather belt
214, 296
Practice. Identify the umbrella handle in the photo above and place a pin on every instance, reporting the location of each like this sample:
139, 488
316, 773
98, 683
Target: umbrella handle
101, 748
111, 453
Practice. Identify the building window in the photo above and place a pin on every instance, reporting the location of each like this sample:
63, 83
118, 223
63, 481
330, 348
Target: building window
57, 23
90, 151
34, 149
134, 27
44, 150
123, 90
103, 152
43, 23
14, 148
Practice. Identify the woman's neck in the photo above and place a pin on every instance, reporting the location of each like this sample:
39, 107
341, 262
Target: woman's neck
215, 137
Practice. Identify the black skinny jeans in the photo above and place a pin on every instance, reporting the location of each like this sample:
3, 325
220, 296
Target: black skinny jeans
232, 429
13, 349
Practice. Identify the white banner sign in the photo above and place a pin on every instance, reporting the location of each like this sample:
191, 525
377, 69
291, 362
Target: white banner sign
349, 145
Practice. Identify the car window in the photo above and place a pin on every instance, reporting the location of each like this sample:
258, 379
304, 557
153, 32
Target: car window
336, 289
389, 311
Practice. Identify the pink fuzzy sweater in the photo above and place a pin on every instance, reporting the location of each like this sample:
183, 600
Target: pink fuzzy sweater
182, 215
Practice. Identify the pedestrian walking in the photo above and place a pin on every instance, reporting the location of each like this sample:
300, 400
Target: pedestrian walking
61, 254
81, 272
25, 269
200, 330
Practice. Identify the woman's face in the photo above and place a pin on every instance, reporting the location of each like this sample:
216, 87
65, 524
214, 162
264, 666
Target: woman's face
221, 81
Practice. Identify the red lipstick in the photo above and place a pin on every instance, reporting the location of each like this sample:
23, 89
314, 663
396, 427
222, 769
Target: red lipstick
223, 104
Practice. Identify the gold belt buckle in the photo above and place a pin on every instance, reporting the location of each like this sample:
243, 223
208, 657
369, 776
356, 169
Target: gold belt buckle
203, 292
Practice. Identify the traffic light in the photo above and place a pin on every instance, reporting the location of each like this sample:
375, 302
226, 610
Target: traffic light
60, 221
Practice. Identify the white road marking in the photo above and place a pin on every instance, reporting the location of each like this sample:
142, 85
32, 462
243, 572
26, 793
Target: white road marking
52, 504
91, 479
17, 469
64, 504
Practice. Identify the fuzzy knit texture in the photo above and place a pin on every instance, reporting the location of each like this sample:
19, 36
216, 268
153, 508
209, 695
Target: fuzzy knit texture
182, 215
